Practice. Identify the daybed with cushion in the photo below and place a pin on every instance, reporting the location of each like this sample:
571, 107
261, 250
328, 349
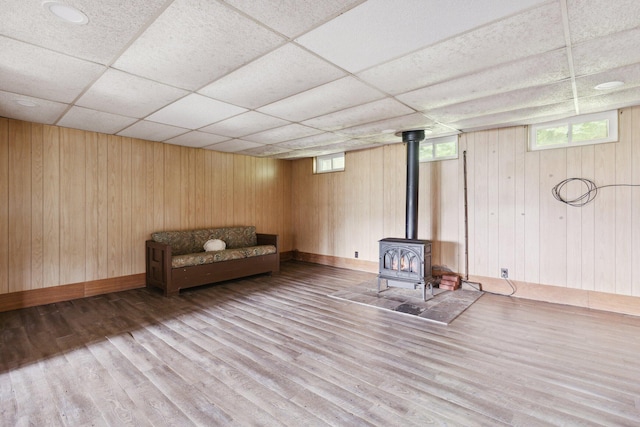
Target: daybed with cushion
177, 259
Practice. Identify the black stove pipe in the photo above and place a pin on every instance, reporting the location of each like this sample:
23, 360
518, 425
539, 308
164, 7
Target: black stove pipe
412, 138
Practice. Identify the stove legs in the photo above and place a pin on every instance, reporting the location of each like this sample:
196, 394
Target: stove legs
422, 285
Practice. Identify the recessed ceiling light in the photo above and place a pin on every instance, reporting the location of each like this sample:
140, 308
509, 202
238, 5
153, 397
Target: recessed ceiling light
26, 103
66, 12
608, 85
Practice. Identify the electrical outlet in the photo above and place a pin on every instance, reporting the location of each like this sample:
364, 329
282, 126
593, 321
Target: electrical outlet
504, 273
356, 254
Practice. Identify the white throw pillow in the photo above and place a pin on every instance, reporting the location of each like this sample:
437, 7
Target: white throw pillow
214, 245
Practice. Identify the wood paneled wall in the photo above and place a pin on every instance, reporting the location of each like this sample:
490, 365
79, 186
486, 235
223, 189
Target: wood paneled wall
77, 206
514, 221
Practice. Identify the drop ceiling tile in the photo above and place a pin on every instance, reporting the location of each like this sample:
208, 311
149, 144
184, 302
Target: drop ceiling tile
388, 126
384, 138
589, 19
366, 113
312, 152
233, 146
283, 133
293, 17
530, 33
630, 75
275, 76
313, 141
96, 121
195, 111
294, 154
348, 145
112, 24
197, 139
338, 95
536, 70
508, 101
439, 129
200, 41
41, 73
380, 30
42, 111
609, 100
432, 131
476, 79
616, 50
299, 154
152, 131
518, 117
379, 140
245, 124
121, 93
264, 151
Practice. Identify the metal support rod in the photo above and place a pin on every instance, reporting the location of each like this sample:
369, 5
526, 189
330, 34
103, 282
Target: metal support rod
466, 219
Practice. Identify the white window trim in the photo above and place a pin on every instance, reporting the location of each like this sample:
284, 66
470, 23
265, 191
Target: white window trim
611, 116
436, 141
328, 157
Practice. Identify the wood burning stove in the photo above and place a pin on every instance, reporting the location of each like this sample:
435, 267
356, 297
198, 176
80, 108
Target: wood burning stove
405, 263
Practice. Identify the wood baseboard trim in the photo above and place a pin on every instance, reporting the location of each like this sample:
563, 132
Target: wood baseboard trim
35, 297
333, 261
623, 304
117, 284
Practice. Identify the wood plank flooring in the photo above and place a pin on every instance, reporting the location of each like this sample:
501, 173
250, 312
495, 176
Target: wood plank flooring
277, 351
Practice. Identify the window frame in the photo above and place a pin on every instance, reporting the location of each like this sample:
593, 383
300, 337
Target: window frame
441, 140
612, 127
332, 157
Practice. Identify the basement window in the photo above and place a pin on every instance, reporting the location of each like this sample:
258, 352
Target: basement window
587, 129
329, 163
443, 148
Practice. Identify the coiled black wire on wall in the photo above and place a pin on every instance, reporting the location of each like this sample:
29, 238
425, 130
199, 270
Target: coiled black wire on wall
590, 193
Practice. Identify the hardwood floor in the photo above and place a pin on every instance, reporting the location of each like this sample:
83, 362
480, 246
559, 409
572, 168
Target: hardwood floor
277, 351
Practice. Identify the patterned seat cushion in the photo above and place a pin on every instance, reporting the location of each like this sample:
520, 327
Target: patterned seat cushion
198, 258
